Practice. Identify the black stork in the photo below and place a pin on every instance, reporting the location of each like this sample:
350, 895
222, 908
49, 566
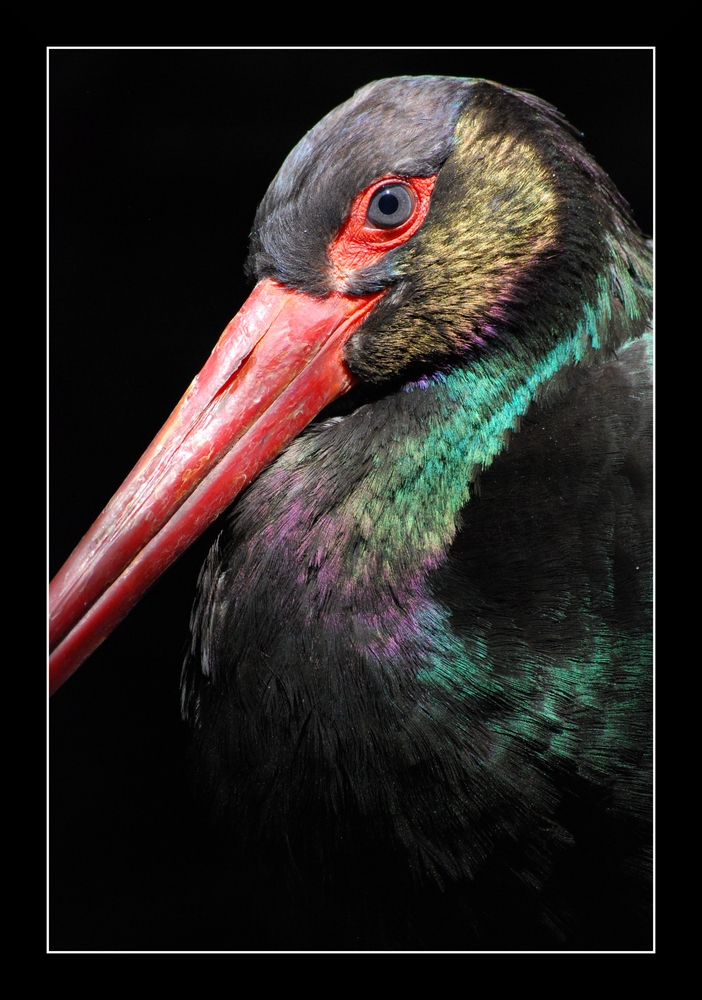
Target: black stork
419, 680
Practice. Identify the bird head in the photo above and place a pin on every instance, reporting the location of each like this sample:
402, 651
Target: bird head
504, 204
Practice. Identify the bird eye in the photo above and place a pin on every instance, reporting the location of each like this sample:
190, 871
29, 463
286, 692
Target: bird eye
390, 206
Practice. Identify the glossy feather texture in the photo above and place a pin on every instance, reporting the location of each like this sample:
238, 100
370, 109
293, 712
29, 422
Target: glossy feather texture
420, 675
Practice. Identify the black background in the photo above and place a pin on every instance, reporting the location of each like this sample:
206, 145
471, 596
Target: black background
158, 159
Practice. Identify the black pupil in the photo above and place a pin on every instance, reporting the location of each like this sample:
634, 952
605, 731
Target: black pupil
388, 204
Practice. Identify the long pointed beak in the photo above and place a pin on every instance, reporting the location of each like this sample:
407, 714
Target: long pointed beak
277, 364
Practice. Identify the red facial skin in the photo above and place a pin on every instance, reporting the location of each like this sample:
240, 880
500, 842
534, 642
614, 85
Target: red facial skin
359, 244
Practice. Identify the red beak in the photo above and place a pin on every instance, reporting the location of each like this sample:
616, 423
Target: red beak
277, 364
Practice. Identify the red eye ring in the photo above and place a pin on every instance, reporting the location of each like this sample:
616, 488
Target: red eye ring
359, 243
